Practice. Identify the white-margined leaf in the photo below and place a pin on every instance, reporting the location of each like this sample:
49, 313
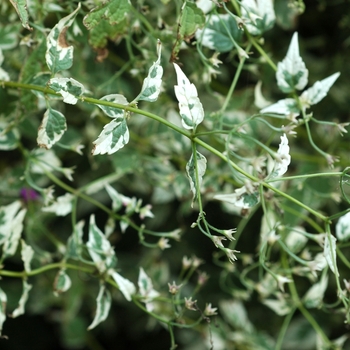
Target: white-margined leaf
291, 73
191, 109
125, 286
330, 253
280, 306
241, 198
68, 88
258, 15
282, 159
47, 160
51, 129
314, 296
3, 75
3, 303
103, 305
100, 249
151, 85
117, 199
75, 242
195, 169
218, 32
62, 282
22, 301
9, 136
7, 215
146, 289
205, 5
113, 137
27, 254
112, 111
12, 229
59, 55
342, 228
318, 91
287, 107
62, 206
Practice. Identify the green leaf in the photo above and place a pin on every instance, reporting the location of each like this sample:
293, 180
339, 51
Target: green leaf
62, 282
59, 55
125, 286
191, 109
22, 10
3, 302
258, 16
8, 136
192, 18
217, 34
114, 136
22, 301
112, 111
51, 129
27, 254
342, 228
114, 11
99, 35
69, 88
152, 84
330, 253
100, 249
291, 73
195, 169
103, 301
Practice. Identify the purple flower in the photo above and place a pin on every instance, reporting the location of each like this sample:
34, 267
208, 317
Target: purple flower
28, 194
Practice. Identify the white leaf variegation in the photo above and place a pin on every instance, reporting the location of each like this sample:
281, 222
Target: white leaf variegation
258, 15
69, 88
314, 296
342, 228
22, 301
241, 198
62, 206
75, 242
191, 109
3, 75
282, 160
114, 136
330, 253
280, 306
112, 111
62, 283
152, 83
318, 91
27, 254
12, 229
125, 286
3, 303
146, 289
287, 107
9, 136
59, 55
291, 73
195, 169
117, 199
103, 302
100, 249
51, 129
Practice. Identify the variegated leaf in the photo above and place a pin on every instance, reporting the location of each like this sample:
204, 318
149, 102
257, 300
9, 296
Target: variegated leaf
112, 111
330, 253
62, 282
52, 128
22, 301
68, 88
114, 136
103, 301
59, 55
125, 286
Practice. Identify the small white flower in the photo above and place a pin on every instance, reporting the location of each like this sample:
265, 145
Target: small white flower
217, 241
163, 243
281, 280
210, 311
